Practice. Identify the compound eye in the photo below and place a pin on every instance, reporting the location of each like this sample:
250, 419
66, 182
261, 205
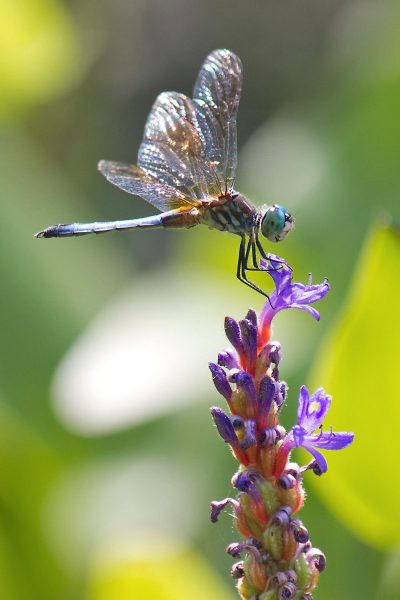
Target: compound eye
273, 223
276, 223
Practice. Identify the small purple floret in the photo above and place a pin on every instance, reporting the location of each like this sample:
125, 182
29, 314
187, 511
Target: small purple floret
220, 380
311, 413
249, 438
249, 338
245, 382
228, 358
287, 294
233, 334
244, 482
266, 395
217, 506
224, 426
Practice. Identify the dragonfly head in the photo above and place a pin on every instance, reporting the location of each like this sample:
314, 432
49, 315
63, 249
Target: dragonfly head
276, 223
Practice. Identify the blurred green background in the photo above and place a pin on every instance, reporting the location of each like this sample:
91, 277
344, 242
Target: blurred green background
108, 456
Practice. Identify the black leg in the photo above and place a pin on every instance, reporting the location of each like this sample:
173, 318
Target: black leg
254, 254
260, 248
242, 267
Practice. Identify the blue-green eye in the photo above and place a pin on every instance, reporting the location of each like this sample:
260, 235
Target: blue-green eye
276, 223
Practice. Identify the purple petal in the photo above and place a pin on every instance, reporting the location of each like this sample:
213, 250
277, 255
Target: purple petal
298, 434
329, 440
288, 294
312, 411
308, 294
302, 404
321, 462
312, 311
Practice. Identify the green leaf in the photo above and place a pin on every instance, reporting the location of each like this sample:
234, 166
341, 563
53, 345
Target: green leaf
358, 365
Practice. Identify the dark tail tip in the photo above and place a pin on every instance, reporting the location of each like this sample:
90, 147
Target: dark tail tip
46, 233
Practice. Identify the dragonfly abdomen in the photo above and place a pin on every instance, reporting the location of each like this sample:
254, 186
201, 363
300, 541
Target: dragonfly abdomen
172, 218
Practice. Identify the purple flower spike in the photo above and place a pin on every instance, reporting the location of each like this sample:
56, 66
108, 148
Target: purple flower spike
287, 294
224, 426
311, 413
220, 381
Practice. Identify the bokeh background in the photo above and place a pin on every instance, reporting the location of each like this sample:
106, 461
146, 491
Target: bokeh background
107, 452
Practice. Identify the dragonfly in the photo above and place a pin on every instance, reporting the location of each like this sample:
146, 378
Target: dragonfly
186, 168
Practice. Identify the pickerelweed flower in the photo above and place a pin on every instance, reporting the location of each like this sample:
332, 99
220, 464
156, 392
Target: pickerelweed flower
277, 559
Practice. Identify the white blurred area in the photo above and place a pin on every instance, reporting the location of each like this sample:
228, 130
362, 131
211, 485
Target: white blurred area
145, 354
282, 162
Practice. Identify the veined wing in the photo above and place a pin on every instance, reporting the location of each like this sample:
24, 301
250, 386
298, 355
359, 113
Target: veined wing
216, 97
172, 150
135, 180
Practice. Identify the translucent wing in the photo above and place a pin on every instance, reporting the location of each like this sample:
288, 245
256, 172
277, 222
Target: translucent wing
216, 97
134, 180
172, 150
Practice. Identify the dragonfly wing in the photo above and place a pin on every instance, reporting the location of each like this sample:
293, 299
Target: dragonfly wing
134, 180
216, 97
172, 149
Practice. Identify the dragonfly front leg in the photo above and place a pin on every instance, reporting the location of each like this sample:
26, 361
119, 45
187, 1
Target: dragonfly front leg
282, 261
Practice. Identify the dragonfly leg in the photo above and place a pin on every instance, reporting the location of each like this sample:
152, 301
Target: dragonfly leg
260, 248
254, 254
242, 267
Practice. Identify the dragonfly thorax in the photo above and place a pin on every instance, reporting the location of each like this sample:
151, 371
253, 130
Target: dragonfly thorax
232, 213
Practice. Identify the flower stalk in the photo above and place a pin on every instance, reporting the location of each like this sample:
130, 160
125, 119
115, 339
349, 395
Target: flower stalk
277, 559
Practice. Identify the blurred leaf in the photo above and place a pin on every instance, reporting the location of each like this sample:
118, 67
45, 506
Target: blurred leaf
390, 585
28, 465
48, 290
359, 366
166, 573
38, 52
